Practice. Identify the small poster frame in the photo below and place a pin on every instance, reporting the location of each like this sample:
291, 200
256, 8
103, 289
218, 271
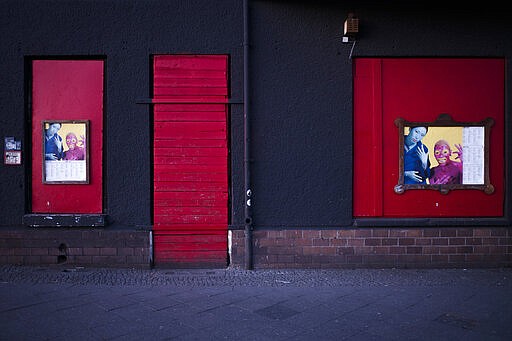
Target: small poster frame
65, 151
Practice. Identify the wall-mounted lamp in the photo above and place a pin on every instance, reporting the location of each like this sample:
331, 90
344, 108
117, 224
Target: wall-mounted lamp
350, 28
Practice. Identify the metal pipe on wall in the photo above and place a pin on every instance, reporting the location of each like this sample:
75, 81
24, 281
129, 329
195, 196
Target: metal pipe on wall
247, 140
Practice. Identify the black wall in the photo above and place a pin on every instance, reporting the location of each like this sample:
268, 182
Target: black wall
127, 33
301, 84
300, 89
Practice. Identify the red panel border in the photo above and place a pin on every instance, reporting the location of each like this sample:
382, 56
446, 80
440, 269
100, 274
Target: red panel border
68, 90
419, 89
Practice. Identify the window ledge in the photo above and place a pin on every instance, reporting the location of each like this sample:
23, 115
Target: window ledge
431, 222
64, 220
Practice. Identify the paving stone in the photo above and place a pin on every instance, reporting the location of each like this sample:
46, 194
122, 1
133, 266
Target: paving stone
231, 304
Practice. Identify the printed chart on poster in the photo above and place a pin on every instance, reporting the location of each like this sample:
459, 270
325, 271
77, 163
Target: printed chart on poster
65, 151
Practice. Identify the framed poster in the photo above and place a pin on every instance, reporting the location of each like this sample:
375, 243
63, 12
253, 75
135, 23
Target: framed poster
65, 151
444, 155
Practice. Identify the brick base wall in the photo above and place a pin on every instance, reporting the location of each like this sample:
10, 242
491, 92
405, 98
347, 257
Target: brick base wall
273, 249
376, 248
75, 246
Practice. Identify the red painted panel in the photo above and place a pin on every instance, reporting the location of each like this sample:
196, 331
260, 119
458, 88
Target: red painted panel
184, 152
191, 107
190, 168
67, 90
189, 186
191, 143
193, 259
188, 199
202, 81
163, 229
368, 141
188, 256
193, 173
201, 210
198, 179
189, 130
196, 245
196, 232
204, 239
179, 66
192, 91
191, 219
419, 90
190, 161
190, 116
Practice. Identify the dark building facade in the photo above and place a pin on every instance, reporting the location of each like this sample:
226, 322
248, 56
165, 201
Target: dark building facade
256, 134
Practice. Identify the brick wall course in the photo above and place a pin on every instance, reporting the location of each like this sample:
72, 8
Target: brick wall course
376, 247
74, 247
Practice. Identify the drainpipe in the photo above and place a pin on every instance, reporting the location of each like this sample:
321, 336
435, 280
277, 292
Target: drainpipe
247, 139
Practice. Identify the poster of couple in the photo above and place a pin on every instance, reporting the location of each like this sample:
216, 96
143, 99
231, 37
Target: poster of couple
65, 151
443, 155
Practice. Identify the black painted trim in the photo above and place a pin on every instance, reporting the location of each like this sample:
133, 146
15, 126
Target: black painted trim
65, 220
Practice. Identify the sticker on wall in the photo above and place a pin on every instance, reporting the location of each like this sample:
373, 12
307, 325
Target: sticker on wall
65, 152
444, 155
12, 151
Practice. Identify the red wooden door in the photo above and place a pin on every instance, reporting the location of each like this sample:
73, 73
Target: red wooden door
190, 161
419, 89
67, 90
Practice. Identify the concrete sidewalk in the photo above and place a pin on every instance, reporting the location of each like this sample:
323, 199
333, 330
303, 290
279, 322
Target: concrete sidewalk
61, 303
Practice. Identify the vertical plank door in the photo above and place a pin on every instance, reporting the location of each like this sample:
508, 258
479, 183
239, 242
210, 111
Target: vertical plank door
190, 156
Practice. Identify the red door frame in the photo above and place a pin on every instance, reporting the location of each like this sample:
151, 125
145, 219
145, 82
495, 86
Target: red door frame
68, 90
